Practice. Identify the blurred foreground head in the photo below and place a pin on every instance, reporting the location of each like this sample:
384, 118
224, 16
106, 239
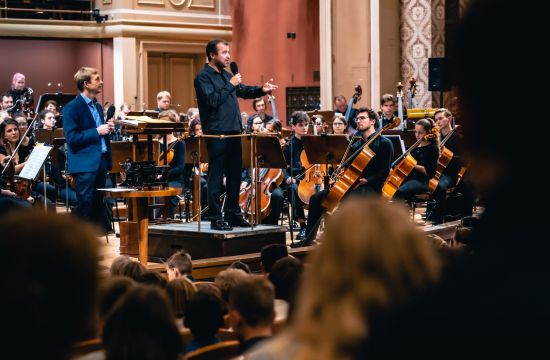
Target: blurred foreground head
49, 275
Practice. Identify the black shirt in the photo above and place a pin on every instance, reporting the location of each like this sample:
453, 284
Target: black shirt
426, 156
378, 168
293, 162
217, 100
454, 144
177, 165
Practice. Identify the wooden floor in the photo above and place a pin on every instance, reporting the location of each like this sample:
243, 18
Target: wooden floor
207, 268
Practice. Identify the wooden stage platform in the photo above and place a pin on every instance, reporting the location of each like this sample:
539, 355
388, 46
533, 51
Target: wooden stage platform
165, 239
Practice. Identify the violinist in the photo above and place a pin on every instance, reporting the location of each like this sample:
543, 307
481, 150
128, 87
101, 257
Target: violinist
52, 106
449, 177
175, 157
373, 175
426, 155
10, 137
339, 125
7, 103
299, 121
257, 125
21, 119
320, 124
47, 121
259, 107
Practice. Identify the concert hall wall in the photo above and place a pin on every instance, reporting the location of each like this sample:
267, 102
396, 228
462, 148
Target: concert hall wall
46, 61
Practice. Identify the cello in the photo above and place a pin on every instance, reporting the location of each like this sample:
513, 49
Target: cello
354, 99
445, 158
346, 179
313, 177
402, 167
269, 178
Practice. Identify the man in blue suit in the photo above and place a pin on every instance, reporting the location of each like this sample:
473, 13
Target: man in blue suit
89, 150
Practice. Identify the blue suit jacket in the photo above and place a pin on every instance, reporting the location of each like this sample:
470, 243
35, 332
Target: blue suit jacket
83, 140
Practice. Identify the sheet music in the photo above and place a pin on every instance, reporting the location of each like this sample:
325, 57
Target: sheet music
119, 189
35, 161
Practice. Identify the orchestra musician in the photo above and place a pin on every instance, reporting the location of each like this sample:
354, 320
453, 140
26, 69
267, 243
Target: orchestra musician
175, 156
426, 154
89, 150
21, 95
339, 125
292, 151
387, 109
259, 107
449, 177
217, 91
373, 175
7, 103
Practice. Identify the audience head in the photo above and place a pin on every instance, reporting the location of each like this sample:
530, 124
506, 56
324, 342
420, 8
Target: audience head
285, 276
118, 263
133, 269
179, 264
240, 265
204, 315
50, 272
358, 273
110, 291
227, 279
209, 287
153, 278
251, 305
270, 254
179, 292
141, 326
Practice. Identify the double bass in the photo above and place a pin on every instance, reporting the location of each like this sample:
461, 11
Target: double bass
354, 99
445, 158
269, 178
402, 167
346, 179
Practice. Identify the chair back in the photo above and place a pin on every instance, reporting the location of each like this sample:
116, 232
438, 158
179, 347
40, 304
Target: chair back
220, 351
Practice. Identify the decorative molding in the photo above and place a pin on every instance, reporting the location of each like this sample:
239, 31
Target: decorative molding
107, 2
177, 2
150, 2
201, 4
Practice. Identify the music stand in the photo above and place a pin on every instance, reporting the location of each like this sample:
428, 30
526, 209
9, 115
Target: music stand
61, 100
150, 113
325, 149
398, 145
123, 150
33, 164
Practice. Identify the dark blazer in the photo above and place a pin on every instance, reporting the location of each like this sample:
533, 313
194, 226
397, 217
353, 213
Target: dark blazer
83, 140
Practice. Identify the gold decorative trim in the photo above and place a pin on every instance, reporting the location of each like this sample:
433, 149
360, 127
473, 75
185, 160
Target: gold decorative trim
201, 4
151, 2
107, 2
178, 2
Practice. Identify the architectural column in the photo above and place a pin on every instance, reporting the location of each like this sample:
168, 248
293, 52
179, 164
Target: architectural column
125, 71
325, 52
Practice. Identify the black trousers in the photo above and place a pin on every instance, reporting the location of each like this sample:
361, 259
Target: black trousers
224, 157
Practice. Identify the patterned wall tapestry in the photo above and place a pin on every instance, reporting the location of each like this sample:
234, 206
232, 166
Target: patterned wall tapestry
416, 46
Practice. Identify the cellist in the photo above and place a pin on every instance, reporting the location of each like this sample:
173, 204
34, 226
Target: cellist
426, 155
373, 175
449, 177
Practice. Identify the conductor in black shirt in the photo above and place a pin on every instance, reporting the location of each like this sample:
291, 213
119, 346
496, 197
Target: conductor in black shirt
217, 90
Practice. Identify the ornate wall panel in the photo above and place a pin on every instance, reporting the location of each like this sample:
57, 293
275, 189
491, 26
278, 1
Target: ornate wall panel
416, 46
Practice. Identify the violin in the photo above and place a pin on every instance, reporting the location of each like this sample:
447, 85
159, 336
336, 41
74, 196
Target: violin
403, 166
346, 179
445, 158
169, 153
21, 187
269, 178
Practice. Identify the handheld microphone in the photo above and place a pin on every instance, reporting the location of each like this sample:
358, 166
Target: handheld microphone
111, 112
234, 68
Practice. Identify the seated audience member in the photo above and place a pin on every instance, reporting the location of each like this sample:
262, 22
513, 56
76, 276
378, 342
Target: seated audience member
141, 327
270, 254
179, 292
154, 278
50, 274
210, 288
357, 274
240, 265
179, 265
251, 311
227, 279
118, 263
285, 276
133, 269
111, 290
204, 315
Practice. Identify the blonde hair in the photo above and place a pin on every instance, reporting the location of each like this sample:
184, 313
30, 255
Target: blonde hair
162, 94
82, 75
372, 258
172, 115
